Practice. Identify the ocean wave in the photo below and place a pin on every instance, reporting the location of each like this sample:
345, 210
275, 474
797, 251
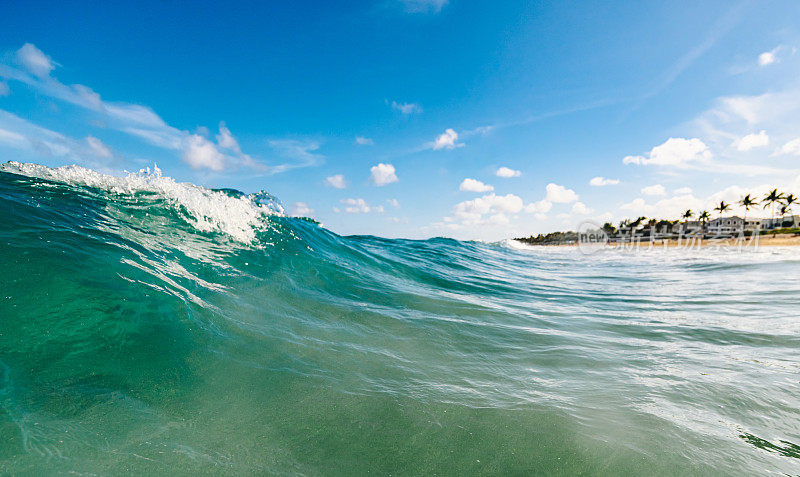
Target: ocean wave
151, 326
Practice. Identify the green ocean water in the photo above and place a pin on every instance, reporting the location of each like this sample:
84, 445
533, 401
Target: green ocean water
151, 327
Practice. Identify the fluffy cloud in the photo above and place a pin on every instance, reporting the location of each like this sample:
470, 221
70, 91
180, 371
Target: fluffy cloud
406, 108
579, 208
792, 147
383, 174
33, 60
674, 152
768, 57
507, 172
638, 205
638, 160
488, 209
473, 185
98, 148
752, 141
364, 141
656, 189
602, 181
200, 153
337, 181
226, 140
446, 140
301, 209
560, 194
671, 207
541, 207
394, 203
359, 206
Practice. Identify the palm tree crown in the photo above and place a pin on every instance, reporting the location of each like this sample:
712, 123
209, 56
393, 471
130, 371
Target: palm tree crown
722, 207
789, 200
774, 197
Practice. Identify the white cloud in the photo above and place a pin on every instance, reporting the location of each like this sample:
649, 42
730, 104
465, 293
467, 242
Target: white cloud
394, 203
656, 189
446, 140
4, 89
423, 6
638, 206
541, 207
337, 181
488, 209
406, 108
669, 208
33, 60
473, 185
38, 142
98, 148
752, 141
560, 194
758, 108
602, 181
136, 120
768, 57
301, 209
10, 138
506, 172
580, 208
359, 206
792, 147
200, 153
226, 140
633, 160
683, 190
674, 152
383, 174
304, 151
364, 141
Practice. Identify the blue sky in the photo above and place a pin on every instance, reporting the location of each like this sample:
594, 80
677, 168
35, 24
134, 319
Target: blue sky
394, 118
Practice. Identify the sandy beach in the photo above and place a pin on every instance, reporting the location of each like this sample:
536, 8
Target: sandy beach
760, 241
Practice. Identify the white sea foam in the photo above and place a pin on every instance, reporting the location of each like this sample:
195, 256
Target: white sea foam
208, 210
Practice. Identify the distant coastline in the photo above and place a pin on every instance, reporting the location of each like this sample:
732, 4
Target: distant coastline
763, 240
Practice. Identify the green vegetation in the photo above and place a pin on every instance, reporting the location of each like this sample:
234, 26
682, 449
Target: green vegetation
628, 227
553, 238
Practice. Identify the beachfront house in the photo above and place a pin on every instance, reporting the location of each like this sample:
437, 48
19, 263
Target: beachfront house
779, 222
733, 225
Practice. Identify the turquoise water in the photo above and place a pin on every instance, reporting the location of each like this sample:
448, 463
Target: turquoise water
154, 327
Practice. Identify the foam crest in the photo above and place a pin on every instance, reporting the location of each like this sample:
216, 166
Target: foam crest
238, 216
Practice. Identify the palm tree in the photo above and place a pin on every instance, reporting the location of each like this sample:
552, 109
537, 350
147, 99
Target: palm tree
747, 202
635, 224
774, 197
789, 200
722, 207
686, 216
623, 225
704, 216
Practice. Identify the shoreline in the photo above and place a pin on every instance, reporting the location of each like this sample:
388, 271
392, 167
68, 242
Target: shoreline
748, 242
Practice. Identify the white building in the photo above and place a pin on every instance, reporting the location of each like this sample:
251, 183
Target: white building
778, 222
733, 225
